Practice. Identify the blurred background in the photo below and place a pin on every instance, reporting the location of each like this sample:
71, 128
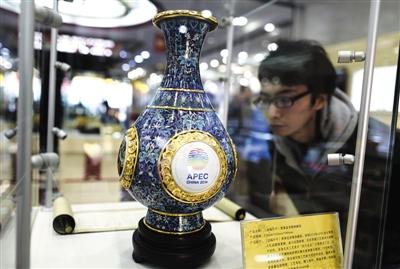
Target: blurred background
114, 62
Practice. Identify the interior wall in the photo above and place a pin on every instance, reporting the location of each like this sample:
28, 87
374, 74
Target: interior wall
343, 25
337, 21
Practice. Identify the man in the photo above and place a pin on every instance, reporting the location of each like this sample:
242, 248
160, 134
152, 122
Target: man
310, 119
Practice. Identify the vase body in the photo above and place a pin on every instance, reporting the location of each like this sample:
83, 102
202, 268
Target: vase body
177, 159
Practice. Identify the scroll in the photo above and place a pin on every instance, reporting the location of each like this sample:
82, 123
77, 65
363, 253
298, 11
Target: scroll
231, 209
63, 220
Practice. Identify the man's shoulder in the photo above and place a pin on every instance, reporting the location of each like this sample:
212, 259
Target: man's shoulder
378, 131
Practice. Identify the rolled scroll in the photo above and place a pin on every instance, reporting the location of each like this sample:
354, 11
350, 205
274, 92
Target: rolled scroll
63, 219
231, 209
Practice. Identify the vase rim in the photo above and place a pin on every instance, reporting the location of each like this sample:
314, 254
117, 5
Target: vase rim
168, 14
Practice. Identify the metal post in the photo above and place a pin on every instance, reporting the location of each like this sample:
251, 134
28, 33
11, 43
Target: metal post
361, 136
24, 135
51, 105
228, 80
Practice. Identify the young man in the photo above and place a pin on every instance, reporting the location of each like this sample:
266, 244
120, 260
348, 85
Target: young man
310, 119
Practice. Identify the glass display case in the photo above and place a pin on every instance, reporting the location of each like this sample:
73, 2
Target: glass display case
108, 70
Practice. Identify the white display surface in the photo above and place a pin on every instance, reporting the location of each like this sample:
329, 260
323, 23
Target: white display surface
195, 167
8, 239
114, 249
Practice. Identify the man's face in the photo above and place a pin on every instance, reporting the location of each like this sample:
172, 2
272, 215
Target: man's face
291, 112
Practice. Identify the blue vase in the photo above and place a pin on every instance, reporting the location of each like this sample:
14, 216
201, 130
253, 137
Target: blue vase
177, 159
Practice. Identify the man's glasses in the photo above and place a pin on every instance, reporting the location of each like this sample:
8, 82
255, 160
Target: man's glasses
264, 101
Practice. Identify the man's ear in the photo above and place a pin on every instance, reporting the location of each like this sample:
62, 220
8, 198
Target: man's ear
320, 101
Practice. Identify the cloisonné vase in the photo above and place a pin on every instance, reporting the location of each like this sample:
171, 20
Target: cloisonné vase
177, 158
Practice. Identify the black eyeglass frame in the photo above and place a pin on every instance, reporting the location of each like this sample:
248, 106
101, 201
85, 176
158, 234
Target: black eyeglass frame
279, 101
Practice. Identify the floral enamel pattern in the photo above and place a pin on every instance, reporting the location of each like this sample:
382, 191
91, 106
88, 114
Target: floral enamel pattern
184, 38
180, 106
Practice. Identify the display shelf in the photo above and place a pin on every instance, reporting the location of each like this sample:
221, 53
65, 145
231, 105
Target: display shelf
114, 249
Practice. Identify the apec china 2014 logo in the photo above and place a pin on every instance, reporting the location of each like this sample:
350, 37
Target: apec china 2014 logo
198, 159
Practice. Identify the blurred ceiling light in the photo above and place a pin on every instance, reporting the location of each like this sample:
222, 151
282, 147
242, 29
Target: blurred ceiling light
155, 79
224, 60
136, 73
67, 45
222, 68
224, 53
236, 69
123, 54
259, 57
214, 63
138, 59
253, 26
132, 63
206, 13
96, 51
125, 67
254, 84
5, 52
272, 47
88, 8
239, 21
243, 55
211, 87
107, 52
84, 45
108, 14
82, 49
5, 63
269, 27
145, 54
247, 74
203, 66
37, 41
244, 82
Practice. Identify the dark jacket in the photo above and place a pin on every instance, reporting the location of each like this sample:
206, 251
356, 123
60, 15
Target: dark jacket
315, 187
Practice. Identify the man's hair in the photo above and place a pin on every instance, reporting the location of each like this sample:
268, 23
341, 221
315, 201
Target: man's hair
299, 62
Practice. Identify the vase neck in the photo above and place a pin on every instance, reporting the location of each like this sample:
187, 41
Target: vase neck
184, 38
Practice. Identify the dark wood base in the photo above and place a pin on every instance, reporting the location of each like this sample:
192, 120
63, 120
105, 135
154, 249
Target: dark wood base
173, 250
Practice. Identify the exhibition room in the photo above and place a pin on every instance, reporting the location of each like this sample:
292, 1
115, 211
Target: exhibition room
199, 134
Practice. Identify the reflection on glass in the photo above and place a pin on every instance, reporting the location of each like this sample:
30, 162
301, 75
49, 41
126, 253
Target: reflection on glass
282, 169
293, 177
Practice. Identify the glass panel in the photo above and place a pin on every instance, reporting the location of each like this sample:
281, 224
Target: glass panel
113, 72
283, 168
9, 94
8, 148
385, 108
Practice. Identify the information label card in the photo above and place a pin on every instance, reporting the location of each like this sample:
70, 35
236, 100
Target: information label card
308, 241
